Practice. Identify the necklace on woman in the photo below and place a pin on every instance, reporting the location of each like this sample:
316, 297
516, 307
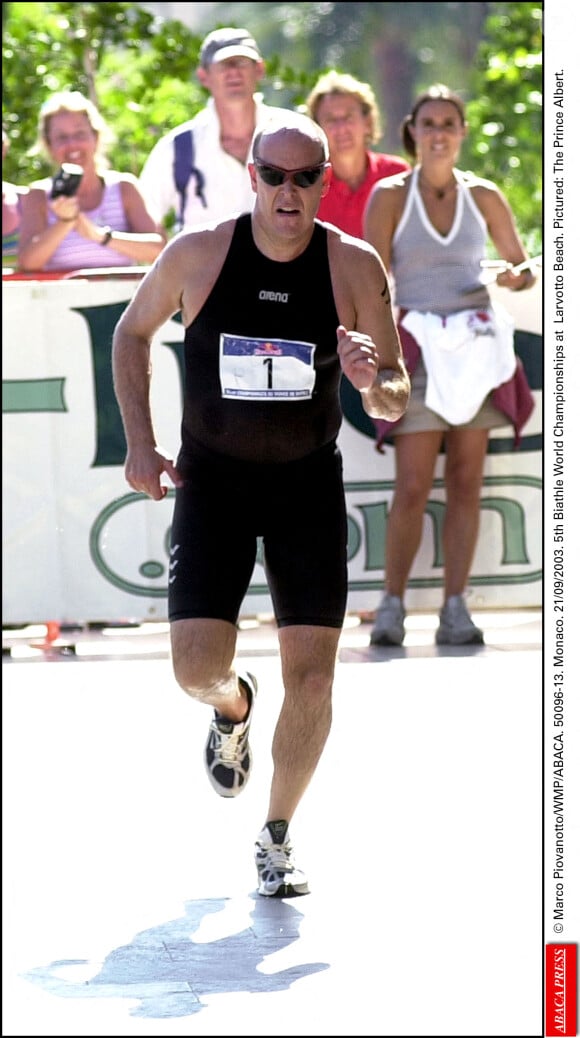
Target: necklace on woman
439, 192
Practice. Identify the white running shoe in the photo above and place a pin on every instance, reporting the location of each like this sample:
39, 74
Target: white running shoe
277, 873
389, 627
456, 626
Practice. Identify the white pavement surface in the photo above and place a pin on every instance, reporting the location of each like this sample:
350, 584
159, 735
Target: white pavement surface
129, 886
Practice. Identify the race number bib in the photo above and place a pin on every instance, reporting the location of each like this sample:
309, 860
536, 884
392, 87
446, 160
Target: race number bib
266, 369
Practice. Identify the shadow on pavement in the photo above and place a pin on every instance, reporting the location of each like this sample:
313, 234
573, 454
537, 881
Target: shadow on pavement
169, 969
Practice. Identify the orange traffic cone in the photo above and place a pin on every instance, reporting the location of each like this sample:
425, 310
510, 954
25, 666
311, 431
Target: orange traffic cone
52, 633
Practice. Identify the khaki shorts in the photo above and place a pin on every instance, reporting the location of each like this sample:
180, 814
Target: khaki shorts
419, 418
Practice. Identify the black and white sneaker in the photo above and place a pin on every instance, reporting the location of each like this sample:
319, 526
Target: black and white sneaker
277, 873
228, 757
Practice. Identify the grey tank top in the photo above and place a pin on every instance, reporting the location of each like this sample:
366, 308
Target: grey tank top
432, 272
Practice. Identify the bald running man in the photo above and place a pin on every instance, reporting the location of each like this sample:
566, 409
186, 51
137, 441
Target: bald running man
276, 308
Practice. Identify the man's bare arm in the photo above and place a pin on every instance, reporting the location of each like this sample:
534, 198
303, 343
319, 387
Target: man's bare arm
372, 359
155, 301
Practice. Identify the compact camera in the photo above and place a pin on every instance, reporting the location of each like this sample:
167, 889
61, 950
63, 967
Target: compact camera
67, 181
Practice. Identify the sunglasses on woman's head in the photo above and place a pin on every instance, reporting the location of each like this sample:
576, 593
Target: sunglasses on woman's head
273, 176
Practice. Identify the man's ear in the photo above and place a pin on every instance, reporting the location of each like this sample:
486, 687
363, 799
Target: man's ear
253, 178
260, 70
326, 181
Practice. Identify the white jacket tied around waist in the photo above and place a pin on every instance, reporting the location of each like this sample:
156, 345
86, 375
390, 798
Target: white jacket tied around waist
466, 356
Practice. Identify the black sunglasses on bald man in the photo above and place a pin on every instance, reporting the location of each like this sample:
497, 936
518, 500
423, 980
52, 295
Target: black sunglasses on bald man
304, 176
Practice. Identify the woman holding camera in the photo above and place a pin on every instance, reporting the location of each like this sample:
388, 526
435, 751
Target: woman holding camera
86, 215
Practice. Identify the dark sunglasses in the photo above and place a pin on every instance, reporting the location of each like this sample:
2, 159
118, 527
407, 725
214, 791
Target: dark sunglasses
273, 176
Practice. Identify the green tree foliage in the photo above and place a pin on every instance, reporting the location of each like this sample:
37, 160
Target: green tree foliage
399, 48
138, 69
505, 112
115, 53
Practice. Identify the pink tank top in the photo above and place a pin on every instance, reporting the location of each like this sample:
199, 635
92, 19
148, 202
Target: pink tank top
75, 251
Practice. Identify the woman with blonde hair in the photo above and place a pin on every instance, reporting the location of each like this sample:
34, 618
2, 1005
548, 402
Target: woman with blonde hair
100, 219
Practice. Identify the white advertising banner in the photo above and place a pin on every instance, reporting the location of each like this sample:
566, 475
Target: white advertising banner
80, 546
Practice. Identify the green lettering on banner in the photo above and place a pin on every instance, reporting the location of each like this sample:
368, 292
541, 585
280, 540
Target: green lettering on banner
111, 446
374, 517
33, 395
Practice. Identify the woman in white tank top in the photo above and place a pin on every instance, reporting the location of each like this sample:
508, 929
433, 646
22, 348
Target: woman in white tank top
430, 227
105, 223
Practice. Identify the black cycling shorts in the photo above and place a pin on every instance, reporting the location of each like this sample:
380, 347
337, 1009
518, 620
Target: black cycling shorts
298, 509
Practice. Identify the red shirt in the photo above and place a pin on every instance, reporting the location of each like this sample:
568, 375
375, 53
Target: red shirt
344, 207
